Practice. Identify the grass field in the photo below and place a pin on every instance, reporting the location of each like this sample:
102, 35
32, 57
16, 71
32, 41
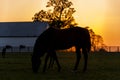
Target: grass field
101, 66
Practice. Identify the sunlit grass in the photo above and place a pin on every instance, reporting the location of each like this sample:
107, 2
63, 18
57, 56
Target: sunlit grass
101, 66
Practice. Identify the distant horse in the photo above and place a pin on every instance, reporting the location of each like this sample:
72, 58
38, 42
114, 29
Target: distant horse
3, 52
21, 47
57, 39
5, 48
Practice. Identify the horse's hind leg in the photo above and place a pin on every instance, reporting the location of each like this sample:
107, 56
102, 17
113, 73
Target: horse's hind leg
78, 57
84, 51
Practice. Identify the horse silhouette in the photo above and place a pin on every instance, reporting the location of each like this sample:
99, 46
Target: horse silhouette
3, 52
5, 48
57, 39
21, 47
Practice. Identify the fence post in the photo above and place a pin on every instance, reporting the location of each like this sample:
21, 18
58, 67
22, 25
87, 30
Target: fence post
109, 48
118, 49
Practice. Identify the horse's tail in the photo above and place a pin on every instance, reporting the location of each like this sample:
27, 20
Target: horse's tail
88, 42
89, 46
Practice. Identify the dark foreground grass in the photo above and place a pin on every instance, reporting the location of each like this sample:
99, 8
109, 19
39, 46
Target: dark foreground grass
101, 66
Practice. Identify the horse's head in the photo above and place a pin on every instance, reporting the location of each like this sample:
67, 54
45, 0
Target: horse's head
35, 63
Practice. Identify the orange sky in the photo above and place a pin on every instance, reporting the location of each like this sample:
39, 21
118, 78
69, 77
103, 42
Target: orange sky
102, 16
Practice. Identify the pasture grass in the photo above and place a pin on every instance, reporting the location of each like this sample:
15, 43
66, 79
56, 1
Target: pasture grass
101, 66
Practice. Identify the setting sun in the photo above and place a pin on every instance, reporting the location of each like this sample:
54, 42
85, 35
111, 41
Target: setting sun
100, 15
91, 13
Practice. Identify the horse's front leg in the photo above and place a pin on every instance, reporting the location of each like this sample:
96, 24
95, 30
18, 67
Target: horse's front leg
53, 56
78, 57
51, 63
56, 59
84, 51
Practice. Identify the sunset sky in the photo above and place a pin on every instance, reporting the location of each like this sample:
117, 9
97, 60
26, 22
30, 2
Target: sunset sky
103, 16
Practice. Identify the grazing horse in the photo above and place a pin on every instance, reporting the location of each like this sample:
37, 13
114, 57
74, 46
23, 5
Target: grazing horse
21, 47
57, 39
4, 50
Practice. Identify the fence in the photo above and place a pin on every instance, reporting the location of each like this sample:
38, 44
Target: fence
18, 49
112, 48
101, 48
30, 49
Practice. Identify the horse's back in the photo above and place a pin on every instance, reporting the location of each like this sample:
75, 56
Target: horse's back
63, 38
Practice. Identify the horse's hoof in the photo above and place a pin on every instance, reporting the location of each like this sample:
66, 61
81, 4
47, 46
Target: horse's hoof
75, 71
43, 71
84, 71
35, 72
59, 69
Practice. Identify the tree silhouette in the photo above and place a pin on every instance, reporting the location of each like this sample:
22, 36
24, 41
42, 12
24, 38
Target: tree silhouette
96, 40
59, 15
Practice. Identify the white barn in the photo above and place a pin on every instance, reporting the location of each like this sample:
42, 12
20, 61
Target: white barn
20, 33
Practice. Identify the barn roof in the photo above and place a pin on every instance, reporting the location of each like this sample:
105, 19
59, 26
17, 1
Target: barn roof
22, 29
